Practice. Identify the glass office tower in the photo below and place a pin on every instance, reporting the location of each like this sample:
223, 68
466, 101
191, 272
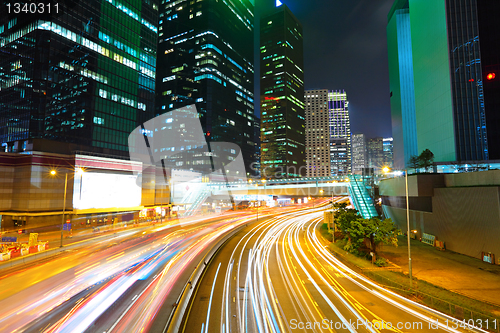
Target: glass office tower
205, 57
402, 89
83, 75
282, 95
444, 58
340, 133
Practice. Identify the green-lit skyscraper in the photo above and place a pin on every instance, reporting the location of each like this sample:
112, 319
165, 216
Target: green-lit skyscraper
282, 95
78, 72
444, 67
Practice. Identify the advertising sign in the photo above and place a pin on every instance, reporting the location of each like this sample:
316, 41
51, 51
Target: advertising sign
106, 190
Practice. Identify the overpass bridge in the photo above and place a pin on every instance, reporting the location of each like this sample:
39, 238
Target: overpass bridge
352, 186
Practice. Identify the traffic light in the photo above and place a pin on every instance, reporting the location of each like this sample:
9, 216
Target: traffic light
491, 76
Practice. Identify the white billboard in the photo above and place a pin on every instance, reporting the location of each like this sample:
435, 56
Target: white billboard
106, 190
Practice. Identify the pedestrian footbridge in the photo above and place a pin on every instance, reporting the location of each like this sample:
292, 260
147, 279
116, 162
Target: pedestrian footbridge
352, 186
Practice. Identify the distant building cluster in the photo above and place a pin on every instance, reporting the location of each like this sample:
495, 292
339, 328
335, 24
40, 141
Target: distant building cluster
372, 153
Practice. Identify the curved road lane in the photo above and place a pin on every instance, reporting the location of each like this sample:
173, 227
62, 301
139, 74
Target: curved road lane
278, 276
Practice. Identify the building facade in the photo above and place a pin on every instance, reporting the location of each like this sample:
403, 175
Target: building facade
317, 133
282, 95
375, 152
328, 133
388, 148
83, 75
340, 133
459, 209
456, 95
359, 157
205, 56
402, 95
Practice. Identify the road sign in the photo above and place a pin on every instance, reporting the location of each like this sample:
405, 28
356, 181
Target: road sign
33, 240
9, 239
67, 226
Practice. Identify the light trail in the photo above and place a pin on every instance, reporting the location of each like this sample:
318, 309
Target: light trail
280, 270
102, 275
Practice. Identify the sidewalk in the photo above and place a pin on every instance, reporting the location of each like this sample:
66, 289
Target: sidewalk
448, 270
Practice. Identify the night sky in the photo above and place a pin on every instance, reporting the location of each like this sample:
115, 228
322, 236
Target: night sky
345, 47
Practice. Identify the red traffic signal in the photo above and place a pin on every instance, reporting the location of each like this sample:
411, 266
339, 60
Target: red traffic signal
491, 76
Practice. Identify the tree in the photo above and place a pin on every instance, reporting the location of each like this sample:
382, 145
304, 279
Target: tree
414, 162
343, 216
426, 159
363, 233
371, 233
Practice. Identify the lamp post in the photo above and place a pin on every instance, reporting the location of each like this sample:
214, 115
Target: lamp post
386, 170
53, 173
161, 205
408, 228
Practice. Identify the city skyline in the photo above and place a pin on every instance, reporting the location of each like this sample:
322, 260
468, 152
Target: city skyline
141, 193
345, 47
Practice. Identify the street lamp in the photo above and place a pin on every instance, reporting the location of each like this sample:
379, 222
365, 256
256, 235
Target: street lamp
80, 172
386, 170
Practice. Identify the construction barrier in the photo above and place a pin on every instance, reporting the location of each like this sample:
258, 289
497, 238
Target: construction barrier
23, 250
428, 239
440, 245
14, 253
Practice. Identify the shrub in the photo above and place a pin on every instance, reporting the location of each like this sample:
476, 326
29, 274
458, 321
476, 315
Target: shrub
381, 262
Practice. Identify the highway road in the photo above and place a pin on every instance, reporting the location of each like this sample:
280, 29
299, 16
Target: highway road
277, 275
126, 283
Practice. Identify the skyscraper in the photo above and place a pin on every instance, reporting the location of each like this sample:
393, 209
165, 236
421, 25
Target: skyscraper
388, 148
317, 133
282, 95
359, 158
328, 133
402, 95
82, 75
206, 58
340, 133
450, 105
375, 152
